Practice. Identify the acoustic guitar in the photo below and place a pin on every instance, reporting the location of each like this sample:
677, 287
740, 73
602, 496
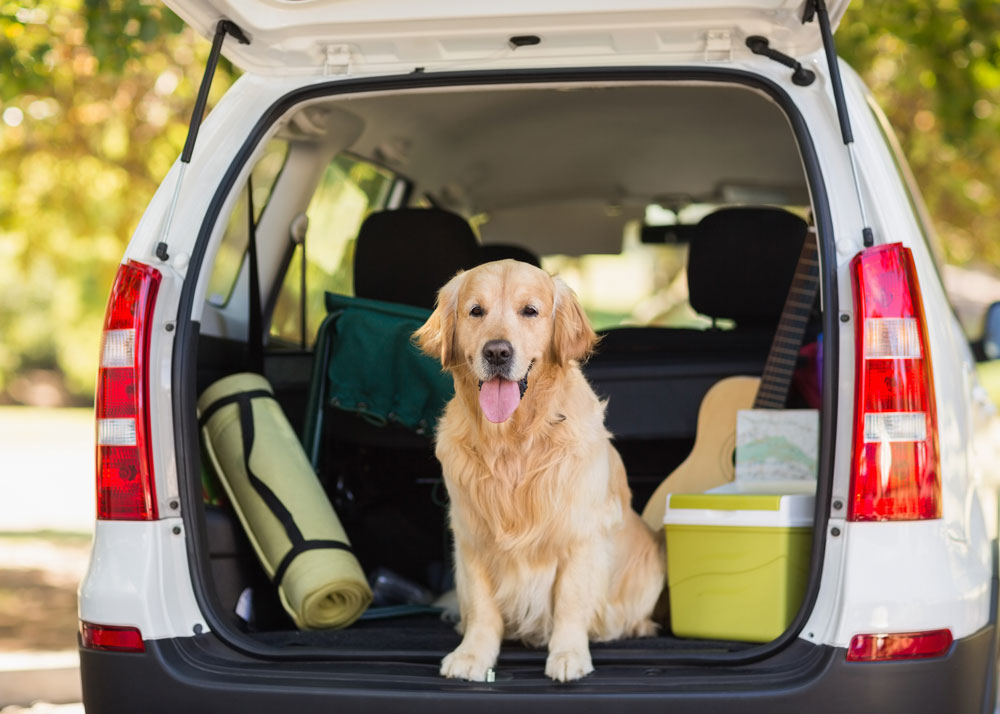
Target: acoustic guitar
711, 461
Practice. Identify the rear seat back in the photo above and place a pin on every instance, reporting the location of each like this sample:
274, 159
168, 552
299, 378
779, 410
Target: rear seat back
740, 267
406, 255
741, 264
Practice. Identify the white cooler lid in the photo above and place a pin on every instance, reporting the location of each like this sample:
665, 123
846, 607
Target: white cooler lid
730, 506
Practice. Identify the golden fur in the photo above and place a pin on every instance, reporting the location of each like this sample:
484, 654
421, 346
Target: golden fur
547, 547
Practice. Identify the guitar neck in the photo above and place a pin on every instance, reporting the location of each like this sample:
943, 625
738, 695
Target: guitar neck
784, 353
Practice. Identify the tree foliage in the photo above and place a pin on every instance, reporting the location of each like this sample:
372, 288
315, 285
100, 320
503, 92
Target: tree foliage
95, 96
935, 69
94, 102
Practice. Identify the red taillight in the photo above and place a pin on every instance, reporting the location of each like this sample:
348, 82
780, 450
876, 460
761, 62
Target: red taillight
111, 638
902, 645
894, 475
125, 487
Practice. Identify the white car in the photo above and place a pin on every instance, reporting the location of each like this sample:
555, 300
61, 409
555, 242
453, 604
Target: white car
669, 159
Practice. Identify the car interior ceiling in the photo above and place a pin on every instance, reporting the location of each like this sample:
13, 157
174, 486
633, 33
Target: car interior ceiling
540, 163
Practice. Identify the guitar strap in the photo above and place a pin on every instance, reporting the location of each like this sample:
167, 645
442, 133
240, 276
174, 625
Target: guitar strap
783, 355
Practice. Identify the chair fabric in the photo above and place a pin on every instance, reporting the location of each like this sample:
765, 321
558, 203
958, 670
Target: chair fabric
375, 370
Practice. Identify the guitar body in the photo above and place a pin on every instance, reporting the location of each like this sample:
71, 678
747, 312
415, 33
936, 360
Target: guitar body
710, 462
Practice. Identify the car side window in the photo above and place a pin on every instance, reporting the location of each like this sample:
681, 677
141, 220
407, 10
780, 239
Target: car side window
350, 189
234, 241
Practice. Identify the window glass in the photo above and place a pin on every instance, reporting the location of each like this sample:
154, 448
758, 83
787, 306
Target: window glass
645, 284
350, 189
234, 242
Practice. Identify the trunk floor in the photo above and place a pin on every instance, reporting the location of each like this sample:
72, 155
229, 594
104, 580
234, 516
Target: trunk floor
427, 636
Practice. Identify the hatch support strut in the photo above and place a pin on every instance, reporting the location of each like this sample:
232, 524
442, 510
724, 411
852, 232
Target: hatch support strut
817, 8
225, 27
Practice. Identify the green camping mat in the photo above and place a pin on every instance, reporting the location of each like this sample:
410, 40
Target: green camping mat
281, 504
375, 369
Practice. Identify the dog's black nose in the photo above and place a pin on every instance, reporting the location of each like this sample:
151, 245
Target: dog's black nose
498, 352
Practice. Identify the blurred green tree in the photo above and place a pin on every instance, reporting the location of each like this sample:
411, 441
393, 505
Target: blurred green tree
935, 69
94, 102
95, 96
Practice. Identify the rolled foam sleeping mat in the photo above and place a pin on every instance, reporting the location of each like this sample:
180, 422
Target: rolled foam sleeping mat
281, 504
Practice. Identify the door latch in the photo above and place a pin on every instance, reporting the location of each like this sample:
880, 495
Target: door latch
339, 60
718, 46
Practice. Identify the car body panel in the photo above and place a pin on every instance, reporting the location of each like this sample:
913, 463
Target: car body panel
876, 577
139, 576
333, 36
858, 599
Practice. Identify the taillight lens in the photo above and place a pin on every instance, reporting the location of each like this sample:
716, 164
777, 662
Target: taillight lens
894, 474
125, 486
111, 638
899, 645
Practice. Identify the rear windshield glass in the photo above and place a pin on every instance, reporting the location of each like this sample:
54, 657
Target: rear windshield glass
646, 283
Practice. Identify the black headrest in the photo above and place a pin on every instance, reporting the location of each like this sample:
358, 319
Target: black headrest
742, 261
502, 251
406, 255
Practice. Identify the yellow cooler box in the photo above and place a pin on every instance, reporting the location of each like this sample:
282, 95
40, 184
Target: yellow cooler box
737, 563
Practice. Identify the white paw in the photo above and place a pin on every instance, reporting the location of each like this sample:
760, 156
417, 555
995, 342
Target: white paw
463, 664
568, 665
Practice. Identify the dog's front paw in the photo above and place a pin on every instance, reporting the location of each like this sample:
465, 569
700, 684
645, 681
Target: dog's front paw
568, 665
465, 664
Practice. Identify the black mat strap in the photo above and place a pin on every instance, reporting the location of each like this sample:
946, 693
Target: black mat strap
274, 503
231, 399
301, 547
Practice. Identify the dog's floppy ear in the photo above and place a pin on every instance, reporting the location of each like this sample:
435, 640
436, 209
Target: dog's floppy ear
436, 337
572, 336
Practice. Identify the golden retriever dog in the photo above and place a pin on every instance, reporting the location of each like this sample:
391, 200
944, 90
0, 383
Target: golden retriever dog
547, 547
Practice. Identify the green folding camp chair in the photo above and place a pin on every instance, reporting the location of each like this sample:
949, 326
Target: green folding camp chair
366, 363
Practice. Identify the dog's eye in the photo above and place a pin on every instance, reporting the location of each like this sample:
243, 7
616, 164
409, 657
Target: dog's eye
476, 311
529, 311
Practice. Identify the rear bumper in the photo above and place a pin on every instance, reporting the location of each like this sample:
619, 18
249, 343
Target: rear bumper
195, 674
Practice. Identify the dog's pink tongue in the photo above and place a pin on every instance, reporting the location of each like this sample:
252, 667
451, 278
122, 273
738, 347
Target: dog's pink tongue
498, 399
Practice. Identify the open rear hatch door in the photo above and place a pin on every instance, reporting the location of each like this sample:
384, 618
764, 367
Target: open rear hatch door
366, 36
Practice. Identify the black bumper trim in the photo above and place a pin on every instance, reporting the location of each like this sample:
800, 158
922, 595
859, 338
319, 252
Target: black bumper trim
195, 674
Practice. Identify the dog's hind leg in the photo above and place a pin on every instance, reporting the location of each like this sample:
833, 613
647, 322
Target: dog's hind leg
641, 580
